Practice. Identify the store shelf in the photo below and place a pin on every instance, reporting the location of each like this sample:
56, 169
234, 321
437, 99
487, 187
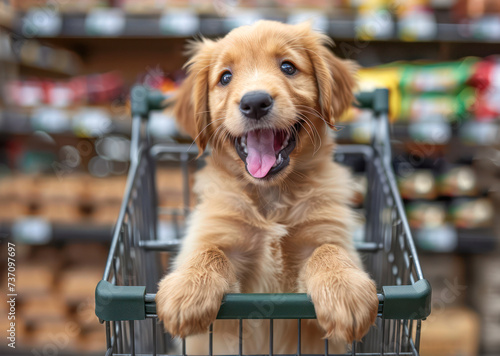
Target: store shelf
47, 233
20, 123
36, 70
463, 241
6, 15
160, 26
39, 70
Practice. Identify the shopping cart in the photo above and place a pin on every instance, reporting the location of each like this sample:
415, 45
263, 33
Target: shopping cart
125, 299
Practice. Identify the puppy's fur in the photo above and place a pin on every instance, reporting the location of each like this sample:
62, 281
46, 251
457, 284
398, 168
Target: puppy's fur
288, 233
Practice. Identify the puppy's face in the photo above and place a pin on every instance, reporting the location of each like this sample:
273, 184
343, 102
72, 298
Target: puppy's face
262, 94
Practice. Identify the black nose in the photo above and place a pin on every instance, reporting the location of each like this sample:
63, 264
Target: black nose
256, 104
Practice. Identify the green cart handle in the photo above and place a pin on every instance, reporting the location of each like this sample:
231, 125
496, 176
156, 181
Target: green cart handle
144, 100
377, 100
115, 303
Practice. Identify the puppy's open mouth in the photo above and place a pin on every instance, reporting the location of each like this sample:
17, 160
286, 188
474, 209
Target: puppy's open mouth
265, 152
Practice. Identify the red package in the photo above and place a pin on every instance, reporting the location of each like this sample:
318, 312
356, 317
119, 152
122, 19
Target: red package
487, 81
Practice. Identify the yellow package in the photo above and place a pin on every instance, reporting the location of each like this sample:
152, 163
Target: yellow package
383, 77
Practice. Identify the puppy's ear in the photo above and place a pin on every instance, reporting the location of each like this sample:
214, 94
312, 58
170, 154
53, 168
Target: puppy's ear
191, 100
335, 77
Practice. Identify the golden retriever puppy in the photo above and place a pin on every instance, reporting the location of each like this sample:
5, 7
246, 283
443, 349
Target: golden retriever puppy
273, 212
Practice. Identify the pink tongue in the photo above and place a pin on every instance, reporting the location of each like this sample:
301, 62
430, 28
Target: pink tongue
261, 157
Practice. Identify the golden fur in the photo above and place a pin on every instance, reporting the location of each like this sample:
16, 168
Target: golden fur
290, 233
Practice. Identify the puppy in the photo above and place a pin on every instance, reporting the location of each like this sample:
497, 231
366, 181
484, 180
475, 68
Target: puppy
273, 214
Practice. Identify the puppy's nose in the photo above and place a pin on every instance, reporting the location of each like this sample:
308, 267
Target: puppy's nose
256, 104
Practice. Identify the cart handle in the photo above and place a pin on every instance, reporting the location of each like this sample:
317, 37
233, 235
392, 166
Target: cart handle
377, 100
144, 100
114, 303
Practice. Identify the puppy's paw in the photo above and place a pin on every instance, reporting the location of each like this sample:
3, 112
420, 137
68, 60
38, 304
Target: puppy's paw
187, 304
346, 304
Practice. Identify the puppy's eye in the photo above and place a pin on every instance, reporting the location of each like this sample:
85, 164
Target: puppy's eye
226, 78
288, 68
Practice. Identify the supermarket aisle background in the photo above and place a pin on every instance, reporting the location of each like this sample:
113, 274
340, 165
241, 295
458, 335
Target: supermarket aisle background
65, 71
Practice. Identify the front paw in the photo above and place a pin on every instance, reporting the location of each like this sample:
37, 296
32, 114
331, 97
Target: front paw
188, 304
346, 304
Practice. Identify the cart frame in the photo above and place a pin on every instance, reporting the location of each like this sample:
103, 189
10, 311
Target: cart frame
125, 297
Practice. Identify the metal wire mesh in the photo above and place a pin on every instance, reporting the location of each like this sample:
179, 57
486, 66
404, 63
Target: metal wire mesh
135, 254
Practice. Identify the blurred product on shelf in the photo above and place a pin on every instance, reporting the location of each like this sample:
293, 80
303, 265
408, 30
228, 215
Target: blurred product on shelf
458, 181
443, 77
55, 296
486, 298
33, 55
426, 215
448, 91
420, 184
451, 331
474, 9
6, 13
71, 199
472, 213
77, 91
487, 81
448, 276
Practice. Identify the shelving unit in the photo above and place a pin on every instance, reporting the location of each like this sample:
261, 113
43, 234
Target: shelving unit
150, 45
342, 26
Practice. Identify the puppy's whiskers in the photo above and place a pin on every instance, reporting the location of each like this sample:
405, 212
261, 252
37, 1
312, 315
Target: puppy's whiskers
217, 135
210, 123
314, 131
318, 115
307, 131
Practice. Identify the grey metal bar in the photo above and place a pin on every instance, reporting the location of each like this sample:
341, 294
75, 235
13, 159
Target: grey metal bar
391, 180
118, 331
160, 245
382, 346
154, 336
135, 139
183, 347
417, 337
353, 351
159, 149
211, 340
398, 323
271, 338
116, 232
410, 331
326, 347
132, 338
108, 335
174, 245
240, 338
299, 337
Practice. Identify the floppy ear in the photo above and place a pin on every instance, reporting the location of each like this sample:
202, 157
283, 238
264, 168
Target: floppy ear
191, 100
335, 77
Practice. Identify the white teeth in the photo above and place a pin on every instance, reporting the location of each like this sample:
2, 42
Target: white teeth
279, 160
244, 144
285, 142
